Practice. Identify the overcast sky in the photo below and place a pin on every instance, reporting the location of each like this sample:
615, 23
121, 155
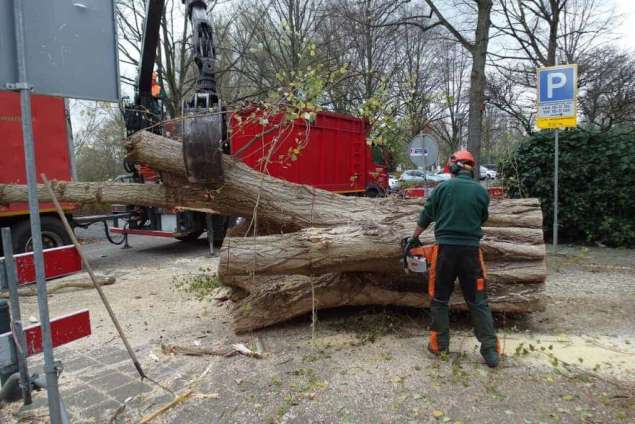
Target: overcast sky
626, 8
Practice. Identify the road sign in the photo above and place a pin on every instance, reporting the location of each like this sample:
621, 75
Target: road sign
70, 48
423, 150
557, 93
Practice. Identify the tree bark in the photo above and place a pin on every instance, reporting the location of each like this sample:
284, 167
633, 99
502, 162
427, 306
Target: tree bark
358, 248
280, 298
109, 193
477, 81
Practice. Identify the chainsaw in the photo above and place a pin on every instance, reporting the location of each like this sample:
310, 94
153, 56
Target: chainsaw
413, 260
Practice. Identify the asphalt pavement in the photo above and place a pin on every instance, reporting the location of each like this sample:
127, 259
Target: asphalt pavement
143, 249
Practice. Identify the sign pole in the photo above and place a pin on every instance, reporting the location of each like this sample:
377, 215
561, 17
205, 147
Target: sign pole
555, 192
50, 369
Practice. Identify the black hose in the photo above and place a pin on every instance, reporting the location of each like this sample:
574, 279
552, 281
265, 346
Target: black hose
123, 238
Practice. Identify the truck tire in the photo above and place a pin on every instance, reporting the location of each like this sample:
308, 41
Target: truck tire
372, 192
53, 234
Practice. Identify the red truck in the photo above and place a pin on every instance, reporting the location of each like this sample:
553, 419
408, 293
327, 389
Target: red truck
53, 145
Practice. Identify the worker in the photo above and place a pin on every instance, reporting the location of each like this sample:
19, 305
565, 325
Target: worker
156, 88
458, 207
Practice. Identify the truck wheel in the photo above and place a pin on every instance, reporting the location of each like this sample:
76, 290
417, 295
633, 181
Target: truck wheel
190, 237
372, 192
53, 234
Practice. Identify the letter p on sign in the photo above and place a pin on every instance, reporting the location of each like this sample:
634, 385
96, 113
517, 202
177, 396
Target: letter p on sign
556, 84
555, 80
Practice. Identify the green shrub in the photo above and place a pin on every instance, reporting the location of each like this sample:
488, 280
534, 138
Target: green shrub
596, 183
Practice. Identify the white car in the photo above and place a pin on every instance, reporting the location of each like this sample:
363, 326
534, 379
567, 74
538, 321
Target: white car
439, 177
412, 176
393, 183
487, 174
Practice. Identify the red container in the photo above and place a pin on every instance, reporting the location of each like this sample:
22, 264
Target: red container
414, 193
330, 153
50, 137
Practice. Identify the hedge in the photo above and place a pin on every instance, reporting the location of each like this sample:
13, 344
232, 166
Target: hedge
596, 183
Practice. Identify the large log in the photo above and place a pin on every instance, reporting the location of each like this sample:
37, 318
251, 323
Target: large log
91, 193
280, 298
358, 248
246, 191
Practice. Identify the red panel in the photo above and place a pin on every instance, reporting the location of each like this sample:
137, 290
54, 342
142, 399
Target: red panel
50, 138
333, 153
496, 192
64, 330
58, 261
414, 193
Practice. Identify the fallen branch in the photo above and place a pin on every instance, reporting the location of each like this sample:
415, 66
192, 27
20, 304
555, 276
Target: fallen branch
193, 351
61, 287
180, 398
236, 349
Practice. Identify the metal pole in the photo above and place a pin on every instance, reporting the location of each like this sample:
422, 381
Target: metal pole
16, 319
89, 269
555, 193
50, 369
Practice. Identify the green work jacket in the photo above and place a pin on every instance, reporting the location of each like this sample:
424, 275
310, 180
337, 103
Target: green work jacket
458, 207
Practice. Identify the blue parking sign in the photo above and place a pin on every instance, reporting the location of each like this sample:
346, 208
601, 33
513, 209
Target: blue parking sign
557, 84
557, 93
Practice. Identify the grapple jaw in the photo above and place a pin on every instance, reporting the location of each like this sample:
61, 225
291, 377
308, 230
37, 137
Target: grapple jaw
203, 139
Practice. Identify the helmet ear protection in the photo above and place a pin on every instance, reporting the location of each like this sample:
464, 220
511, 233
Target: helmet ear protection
457, 166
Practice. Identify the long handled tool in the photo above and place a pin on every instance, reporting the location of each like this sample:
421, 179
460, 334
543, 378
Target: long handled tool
89, 269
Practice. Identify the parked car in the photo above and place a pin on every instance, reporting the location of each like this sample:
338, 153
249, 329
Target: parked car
412, 176
439, 176
487, 174
393, 183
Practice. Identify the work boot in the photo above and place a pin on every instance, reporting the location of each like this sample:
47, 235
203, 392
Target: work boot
441, 351
491, 357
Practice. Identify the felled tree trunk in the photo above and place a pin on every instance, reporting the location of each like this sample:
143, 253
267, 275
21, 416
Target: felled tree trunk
359, 248
88, 193
345, 250
275, 299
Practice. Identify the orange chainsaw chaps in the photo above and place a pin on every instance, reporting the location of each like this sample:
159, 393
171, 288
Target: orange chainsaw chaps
429, 252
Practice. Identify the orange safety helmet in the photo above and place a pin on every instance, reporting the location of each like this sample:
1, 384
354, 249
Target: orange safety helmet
461, 160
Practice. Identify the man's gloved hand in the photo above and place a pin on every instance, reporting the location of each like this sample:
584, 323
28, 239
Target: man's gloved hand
410, 242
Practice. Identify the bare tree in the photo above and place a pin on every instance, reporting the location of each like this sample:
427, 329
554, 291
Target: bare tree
477, 48
538, 33
283, 42
608, 97
100, 157
453, 98
421, 74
